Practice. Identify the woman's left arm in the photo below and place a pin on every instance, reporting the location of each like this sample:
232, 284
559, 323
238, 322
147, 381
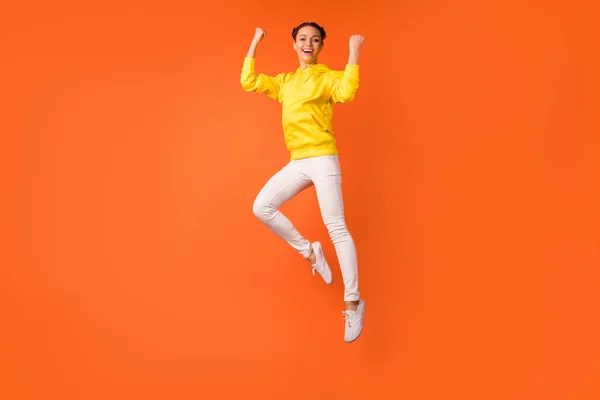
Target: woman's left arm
356, 42
344, 88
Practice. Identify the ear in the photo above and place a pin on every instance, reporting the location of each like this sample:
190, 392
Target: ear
295, 48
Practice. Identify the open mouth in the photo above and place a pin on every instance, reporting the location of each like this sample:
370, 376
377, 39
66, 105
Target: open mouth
307, 51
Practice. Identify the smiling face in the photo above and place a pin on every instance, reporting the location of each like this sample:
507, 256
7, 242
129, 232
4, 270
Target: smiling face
308, 45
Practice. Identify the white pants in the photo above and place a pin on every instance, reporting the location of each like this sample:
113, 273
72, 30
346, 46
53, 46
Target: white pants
324, 172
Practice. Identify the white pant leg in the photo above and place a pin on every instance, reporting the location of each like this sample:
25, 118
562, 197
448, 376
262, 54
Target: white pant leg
281, 187
326, 175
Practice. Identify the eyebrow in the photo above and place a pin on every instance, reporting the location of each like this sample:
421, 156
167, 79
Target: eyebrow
317, 36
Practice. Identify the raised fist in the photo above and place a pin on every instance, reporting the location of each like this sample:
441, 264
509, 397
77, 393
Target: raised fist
356, 42
259, 35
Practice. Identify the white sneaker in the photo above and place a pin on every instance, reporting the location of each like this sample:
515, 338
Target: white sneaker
354, 322
321, 265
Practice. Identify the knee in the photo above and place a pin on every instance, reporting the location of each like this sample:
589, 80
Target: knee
257, 208
261, 209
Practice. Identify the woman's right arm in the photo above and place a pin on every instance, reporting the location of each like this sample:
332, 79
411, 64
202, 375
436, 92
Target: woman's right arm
260, 83
258, 36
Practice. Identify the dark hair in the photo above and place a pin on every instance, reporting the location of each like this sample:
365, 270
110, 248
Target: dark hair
313, 24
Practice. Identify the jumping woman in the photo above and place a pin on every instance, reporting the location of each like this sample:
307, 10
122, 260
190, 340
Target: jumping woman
307, 96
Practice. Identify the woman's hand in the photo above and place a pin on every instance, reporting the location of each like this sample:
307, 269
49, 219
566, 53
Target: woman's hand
356, 42
259, 35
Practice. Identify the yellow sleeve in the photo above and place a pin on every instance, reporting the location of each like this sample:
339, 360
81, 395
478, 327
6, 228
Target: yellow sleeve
260, 83
344, 84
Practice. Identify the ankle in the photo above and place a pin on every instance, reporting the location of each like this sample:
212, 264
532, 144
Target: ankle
352, 305
312, 259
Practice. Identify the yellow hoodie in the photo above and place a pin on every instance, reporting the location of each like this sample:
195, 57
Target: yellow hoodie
306, 98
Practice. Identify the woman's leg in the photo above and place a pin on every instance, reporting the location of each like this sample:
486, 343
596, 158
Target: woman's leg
281, 187
326, 174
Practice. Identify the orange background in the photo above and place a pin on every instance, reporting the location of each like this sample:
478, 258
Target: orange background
133, 267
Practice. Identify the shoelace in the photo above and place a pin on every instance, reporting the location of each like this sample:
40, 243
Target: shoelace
348, 316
